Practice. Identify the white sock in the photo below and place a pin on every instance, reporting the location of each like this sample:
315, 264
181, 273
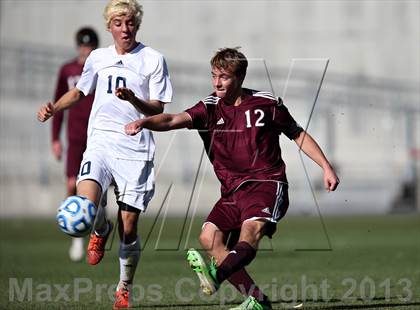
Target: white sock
78, 242
129, 257
76, 250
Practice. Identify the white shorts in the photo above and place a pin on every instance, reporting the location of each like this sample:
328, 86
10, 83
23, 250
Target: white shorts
134, 180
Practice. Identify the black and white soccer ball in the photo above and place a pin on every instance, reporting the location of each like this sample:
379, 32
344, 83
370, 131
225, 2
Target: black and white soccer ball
75, 216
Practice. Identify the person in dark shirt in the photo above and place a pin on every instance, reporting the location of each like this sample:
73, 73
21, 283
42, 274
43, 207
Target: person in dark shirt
77, 120
240, 129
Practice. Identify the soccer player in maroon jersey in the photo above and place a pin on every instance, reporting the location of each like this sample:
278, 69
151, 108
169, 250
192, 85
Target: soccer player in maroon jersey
77, 120
240, 130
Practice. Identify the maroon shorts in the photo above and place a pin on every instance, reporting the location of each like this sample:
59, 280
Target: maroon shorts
253, 200
74, 158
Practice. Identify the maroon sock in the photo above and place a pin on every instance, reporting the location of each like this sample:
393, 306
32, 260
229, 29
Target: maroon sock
239, 257
242, 281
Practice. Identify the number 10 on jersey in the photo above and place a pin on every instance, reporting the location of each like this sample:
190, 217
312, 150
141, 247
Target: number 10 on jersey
118, 81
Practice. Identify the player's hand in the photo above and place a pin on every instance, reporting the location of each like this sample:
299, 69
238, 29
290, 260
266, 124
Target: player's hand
57, 149
331, 180
133, 128
45, 112
124, 93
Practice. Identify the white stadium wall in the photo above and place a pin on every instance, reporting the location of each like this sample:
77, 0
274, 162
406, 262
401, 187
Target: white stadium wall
366, 118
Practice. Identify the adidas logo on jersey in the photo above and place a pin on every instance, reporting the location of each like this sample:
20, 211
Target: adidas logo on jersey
266, 210
119, 63
220, 121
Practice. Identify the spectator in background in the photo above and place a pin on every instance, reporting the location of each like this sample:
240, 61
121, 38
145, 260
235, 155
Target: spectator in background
77, 120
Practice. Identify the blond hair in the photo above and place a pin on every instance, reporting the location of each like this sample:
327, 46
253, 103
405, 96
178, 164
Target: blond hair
123, 7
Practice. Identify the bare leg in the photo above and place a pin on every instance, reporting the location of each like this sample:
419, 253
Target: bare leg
252, 232
91, 190
211, 239
71, 186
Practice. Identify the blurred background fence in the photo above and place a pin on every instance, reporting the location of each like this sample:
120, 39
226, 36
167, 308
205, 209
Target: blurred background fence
367, 116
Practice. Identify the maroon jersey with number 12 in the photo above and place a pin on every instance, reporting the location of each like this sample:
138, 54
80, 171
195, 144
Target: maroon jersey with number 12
242, 142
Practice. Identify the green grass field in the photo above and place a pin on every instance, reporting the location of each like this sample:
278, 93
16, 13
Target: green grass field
373, 263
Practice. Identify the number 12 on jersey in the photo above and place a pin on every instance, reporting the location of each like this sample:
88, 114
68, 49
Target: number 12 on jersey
118, 81
259, 122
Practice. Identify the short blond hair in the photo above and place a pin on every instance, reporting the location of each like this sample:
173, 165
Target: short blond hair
230, 59
123, 7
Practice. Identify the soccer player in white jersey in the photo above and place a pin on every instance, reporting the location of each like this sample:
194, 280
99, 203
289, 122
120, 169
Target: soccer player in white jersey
130, 81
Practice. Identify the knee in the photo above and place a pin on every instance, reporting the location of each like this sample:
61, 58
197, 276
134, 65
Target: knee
91, 190
206, 240
252, 232
250, 227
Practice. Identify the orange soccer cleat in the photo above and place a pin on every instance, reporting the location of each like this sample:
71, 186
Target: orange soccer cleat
96, 248
122, 298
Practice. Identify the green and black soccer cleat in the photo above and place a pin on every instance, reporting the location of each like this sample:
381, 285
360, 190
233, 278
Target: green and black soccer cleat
206, 274
252, 304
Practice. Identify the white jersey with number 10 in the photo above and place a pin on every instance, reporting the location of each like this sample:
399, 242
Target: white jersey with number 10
144, 71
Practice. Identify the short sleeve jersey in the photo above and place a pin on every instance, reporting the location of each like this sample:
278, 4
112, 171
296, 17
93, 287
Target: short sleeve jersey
77, 115
144, 71
242, 142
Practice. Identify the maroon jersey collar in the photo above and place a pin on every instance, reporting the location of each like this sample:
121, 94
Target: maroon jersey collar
246, 94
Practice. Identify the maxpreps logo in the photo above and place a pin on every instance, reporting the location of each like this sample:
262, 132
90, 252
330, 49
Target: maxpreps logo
26, 290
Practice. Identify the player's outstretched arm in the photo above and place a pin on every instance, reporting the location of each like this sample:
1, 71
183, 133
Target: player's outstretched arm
66, 101
160, 122
309, 146
147, 107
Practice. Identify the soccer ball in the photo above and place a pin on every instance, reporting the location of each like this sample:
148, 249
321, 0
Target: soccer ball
75, 216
